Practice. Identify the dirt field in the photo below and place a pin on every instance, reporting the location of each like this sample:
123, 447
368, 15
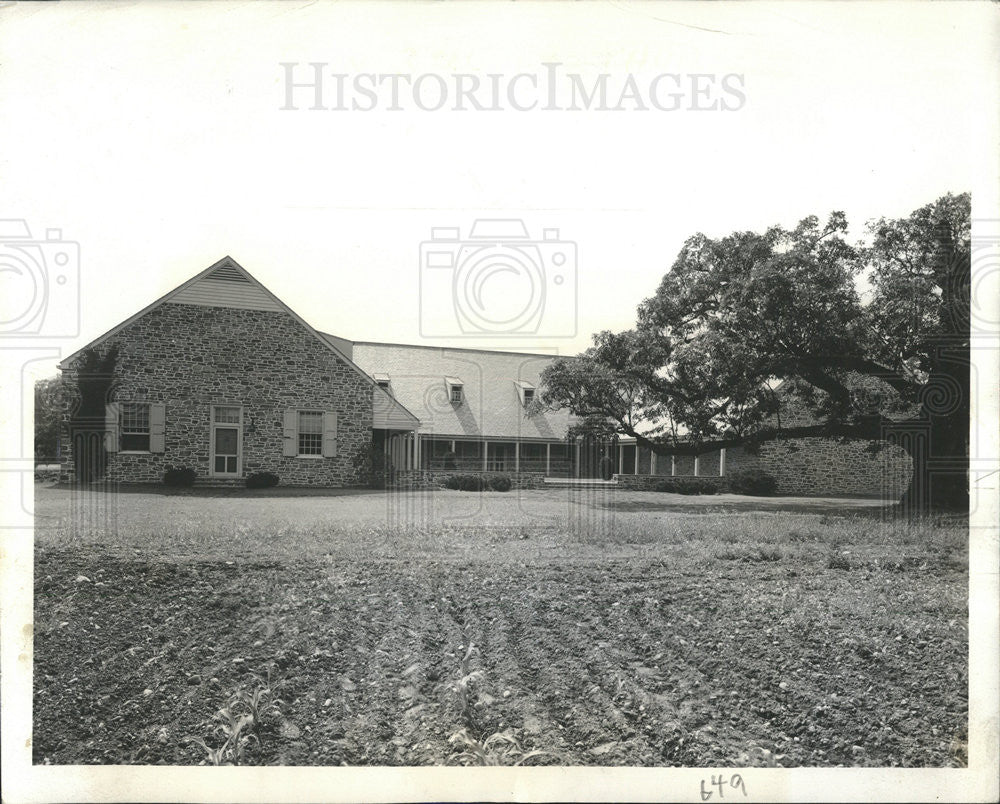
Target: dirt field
598, 628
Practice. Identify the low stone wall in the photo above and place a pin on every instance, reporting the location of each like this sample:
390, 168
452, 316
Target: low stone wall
826, 468
652, 482
435, 478
808, 467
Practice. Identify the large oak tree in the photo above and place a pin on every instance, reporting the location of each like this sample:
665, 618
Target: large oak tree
871, 339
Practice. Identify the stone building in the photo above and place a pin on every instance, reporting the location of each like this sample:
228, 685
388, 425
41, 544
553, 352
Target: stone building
221, 377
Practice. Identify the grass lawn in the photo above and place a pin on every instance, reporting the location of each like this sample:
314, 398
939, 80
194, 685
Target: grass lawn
596, 626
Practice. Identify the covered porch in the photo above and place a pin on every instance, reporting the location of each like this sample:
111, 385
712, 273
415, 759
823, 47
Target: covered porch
636, 460
407, 450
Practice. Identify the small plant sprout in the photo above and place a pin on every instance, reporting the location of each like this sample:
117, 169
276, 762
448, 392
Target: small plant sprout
236, 729
214, 756
239, 723
464, 687
260, 705
500, 748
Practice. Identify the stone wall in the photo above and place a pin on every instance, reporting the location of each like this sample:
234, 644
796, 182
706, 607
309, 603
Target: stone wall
825, 467
192, 357
817, 467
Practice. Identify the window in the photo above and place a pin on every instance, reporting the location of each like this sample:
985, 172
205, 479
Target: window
134, 427
382, 380
454, 385
310, 432
227, 415
526, 391
383, 384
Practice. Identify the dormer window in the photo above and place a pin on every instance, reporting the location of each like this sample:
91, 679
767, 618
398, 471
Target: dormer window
383, 382
456, 390
526, 391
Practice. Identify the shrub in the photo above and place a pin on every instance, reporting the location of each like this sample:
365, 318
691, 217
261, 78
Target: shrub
500, 483
467, 482
179, 477
687, 486
373, 468
474, 482
752, 481
262, 480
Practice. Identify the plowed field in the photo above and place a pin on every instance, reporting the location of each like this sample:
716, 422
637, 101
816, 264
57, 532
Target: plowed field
607, 636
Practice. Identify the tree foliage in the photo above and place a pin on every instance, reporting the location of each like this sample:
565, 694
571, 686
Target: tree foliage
871, 339
48, 413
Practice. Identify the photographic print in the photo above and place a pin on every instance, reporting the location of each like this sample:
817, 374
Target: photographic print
445, 401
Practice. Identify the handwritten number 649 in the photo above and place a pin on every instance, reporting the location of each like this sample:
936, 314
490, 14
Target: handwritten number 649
735, 782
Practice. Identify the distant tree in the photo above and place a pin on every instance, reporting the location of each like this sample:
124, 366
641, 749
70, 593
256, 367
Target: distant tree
48, 412
871, 339
95, 376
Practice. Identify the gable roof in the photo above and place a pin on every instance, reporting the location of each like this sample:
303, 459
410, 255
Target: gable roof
226, 283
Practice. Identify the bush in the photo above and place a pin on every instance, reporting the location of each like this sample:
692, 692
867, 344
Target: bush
373, 468
753, 482
262, 480
179, 477
465, 482
687, 486
500, 483
473, 482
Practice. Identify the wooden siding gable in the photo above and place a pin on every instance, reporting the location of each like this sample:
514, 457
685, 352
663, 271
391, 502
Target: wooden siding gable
227, 287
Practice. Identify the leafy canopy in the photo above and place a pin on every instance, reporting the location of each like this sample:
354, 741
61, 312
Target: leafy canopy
853, 331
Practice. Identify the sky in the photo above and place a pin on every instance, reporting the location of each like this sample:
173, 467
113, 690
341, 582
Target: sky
153, 135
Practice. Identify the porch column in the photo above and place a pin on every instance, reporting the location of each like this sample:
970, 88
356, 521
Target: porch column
548, 460
652, 462
576, 452
621, 459
722, 462
673, 465
696, 457
416, 450
517, 456
486, 452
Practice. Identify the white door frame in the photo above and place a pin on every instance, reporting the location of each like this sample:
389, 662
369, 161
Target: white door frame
211, 440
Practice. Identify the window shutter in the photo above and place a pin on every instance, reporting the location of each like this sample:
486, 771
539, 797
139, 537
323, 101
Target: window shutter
157, 427
290, 434
111, 419
329, 434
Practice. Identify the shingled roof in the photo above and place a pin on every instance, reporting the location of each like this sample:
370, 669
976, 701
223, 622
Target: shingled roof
492, 406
